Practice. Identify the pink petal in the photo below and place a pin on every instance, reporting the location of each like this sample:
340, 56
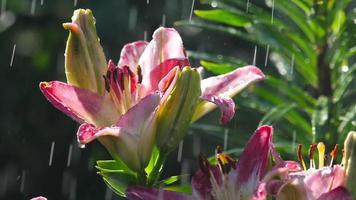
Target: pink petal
164, 52
80, 104
339, 193
142, 193
324, 180
201, 182
131, 53
226, 105
252, 163
260, 193
227, 85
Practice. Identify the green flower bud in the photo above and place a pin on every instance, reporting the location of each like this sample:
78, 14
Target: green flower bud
350, 162
177, 108
85, 62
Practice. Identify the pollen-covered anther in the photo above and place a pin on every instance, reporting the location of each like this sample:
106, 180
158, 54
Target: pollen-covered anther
333, 154
312, 149
300, 157
226, 163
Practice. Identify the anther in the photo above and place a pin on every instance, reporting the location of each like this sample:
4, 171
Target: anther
312, 149
139, 74
321, 150
225, 161
204, 164
107, 84
300, 157
333, 154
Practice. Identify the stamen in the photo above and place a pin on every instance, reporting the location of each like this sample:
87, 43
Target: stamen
107, 83
225, 161
333, 154
312, 149
300, 157
321, 150
139, 74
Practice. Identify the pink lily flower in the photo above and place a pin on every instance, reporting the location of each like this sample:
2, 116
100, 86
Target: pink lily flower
122, 116
229, 180
297, 182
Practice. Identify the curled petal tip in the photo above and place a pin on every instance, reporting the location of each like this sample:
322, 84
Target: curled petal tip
256, 71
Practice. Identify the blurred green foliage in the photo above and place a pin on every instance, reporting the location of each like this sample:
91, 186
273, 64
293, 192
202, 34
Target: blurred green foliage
310, 96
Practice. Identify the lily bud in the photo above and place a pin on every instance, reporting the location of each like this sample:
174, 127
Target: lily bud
181, 94
85, 62
350, 162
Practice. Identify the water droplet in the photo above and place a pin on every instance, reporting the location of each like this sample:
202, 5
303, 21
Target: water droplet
82, 146
214, 4
51, 154
180, 151
191, 10
345, 68
13, 55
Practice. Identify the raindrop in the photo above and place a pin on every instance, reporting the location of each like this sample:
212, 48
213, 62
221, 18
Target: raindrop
145, 35
148, 2
338, 23
345, 68
3, 9
108, 194
132, 18
163, 20
23, 178
41, 2
33, 7
272, 14
214, 4
82, 146
73, 189
292, 67
75, 3
267, 54
13, 55
247, 5
185, 169
226, 137
69, 155
180, 151
51, 154
191, 11
254, 56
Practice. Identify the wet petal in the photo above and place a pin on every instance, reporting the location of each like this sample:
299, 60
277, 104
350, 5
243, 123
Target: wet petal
339, 193
80, 104
324, 180
227, 85
226, 105
142, 193
164, 52
131, 53
252, 163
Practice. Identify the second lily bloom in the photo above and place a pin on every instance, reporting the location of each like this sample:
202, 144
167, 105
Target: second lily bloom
150, 97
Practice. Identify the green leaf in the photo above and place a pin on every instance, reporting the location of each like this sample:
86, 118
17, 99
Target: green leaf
217, 68
118, 181
343, 83
112, 166
276, 113
225, 17
216, 58
339, 21
186, 188
153, 160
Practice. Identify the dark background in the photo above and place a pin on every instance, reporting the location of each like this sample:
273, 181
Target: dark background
29, 125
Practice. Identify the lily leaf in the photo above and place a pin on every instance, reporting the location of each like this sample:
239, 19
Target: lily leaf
276, 113
223, 16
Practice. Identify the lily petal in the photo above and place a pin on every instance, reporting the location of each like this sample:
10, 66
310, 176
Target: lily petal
226, 105
80, 104
226, 85
253, 160
201, 182
339, 193
142, 193
132, 138
131, 53
164, 52
322, 181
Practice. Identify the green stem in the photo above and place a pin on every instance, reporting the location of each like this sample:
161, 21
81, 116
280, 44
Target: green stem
142, 177
157, 170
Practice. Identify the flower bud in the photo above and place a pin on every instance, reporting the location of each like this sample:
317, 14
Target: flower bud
177, 106
85, 62
350, 162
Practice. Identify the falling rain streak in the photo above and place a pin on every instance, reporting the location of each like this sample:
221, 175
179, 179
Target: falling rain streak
108, 194
292, 66
293, 140
272, 14
23, 178
69, 155
247, 5
226, 137
145, 35
180, 151
3, 9
163, 20
254, 56
191, 11
41, 2
75, 3
51, 154
267, 54
13, 55
33, 7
